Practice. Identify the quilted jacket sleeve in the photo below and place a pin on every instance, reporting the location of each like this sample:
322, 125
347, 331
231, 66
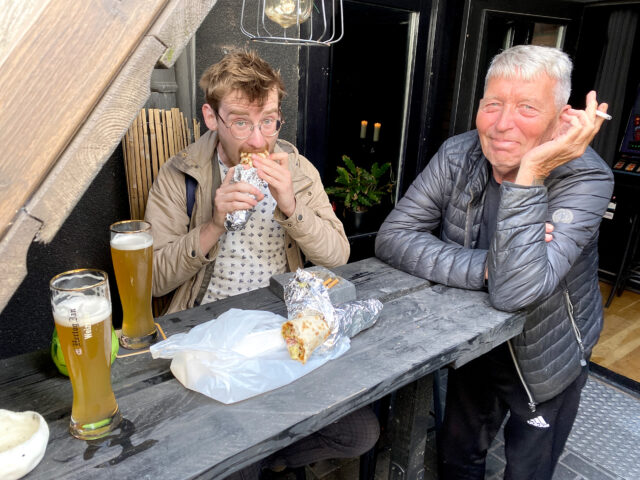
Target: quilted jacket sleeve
407, 239
523, 268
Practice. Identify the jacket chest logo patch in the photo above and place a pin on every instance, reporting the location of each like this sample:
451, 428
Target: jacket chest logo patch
562, 215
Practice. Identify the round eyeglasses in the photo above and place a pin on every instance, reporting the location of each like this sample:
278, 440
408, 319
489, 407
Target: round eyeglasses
242, 129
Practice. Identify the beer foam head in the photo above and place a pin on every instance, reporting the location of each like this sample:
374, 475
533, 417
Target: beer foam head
81, 310
131, 241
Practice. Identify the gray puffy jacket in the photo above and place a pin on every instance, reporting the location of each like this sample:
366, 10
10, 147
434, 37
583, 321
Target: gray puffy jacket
433, 232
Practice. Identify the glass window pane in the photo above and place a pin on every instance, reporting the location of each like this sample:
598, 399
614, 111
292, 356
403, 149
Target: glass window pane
369, 98
548, 35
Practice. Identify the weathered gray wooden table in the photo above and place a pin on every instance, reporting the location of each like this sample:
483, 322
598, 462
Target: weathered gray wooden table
170, 432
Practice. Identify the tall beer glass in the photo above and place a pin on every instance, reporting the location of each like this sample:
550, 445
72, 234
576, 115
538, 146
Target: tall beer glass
132, 254
81, 306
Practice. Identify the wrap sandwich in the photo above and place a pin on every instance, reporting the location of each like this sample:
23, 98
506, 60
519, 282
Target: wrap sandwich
245, 157
303, 333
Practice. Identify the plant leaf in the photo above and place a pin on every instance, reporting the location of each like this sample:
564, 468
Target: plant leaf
349, 163
359, 188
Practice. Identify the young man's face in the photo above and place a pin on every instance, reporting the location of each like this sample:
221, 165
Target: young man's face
235, 107
514, 117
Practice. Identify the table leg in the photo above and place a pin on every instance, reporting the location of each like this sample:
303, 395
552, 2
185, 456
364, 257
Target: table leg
408, 430
369, 459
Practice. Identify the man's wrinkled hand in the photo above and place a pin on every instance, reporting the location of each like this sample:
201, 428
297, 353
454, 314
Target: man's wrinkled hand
572, 136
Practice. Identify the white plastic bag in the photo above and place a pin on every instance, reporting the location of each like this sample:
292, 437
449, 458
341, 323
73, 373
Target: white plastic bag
238, 355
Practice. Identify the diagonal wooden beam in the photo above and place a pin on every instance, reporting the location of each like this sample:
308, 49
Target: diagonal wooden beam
57, 134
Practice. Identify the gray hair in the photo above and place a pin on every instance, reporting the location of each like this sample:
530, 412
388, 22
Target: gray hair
528, 62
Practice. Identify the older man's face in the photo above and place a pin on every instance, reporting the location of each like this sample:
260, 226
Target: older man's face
514, 117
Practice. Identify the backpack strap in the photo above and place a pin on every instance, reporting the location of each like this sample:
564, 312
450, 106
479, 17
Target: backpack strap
191, 185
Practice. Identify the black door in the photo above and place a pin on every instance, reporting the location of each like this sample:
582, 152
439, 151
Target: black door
363, 97
490, 26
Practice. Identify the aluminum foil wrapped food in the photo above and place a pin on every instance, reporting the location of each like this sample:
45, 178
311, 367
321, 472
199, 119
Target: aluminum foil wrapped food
314, 323
238, 219
353, 317
305, 296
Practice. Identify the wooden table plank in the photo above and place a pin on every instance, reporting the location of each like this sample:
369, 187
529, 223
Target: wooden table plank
172, 432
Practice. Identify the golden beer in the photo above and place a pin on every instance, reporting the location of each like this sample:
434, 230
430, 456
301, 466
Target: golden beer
132, 255
83, 323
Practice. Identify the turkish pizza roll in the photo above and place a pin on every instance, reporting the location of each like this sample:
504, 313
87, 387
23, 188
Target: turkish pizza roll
245, 157
303, 333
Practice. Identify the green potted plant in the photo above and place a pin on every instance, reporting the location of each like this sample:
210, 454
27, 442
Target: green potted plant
359, 189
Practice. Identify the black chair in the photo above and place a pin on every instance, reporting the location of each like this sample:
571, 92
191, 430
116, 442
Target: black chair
627, 263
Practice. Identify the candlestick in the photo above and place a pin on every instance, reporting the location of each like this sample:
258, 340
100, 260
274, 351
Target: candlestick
363, 128
376, 131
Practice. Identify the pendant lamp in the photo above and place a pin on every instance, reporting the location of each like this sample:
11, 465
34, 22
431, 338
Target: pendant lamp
293, 22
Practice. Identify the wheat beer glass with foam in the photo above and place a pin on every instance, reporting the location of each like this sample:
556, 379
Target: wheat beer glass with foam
81, 306
132, 255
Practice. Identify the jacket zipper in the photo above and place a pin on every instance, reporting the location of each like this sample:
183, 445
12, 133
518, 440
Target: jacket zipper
531, 403
467, 240
467, 223
576, 330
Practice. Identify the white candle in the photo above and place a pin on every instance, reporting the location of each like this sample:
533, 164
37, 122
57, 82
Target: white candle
376, 131
363, 129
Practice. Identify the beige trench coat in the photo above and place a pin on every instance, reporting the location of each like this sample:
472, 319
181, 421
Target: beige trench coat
178, 264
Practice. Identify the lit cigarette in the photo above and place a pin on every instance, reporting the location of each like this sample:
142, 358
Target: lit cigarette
606, 116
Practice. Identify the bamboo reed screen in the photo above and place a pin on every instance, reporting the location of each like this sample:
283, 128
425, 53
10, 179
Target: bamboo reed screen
154, 137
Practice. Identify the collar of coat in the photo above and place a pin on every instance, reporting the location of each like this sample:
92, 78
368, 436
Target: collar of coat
472, 167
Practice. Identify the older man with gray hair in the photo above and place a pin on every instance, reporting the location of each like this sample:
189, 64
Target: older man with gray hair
514, 207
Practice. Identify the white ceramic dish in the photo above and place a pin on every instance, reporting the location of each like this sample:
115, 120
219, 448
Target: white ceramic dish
23, 440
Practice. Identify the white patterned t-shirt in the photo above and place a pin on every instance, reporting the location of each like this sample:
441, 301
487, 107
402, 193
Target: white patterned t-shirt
249, 257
